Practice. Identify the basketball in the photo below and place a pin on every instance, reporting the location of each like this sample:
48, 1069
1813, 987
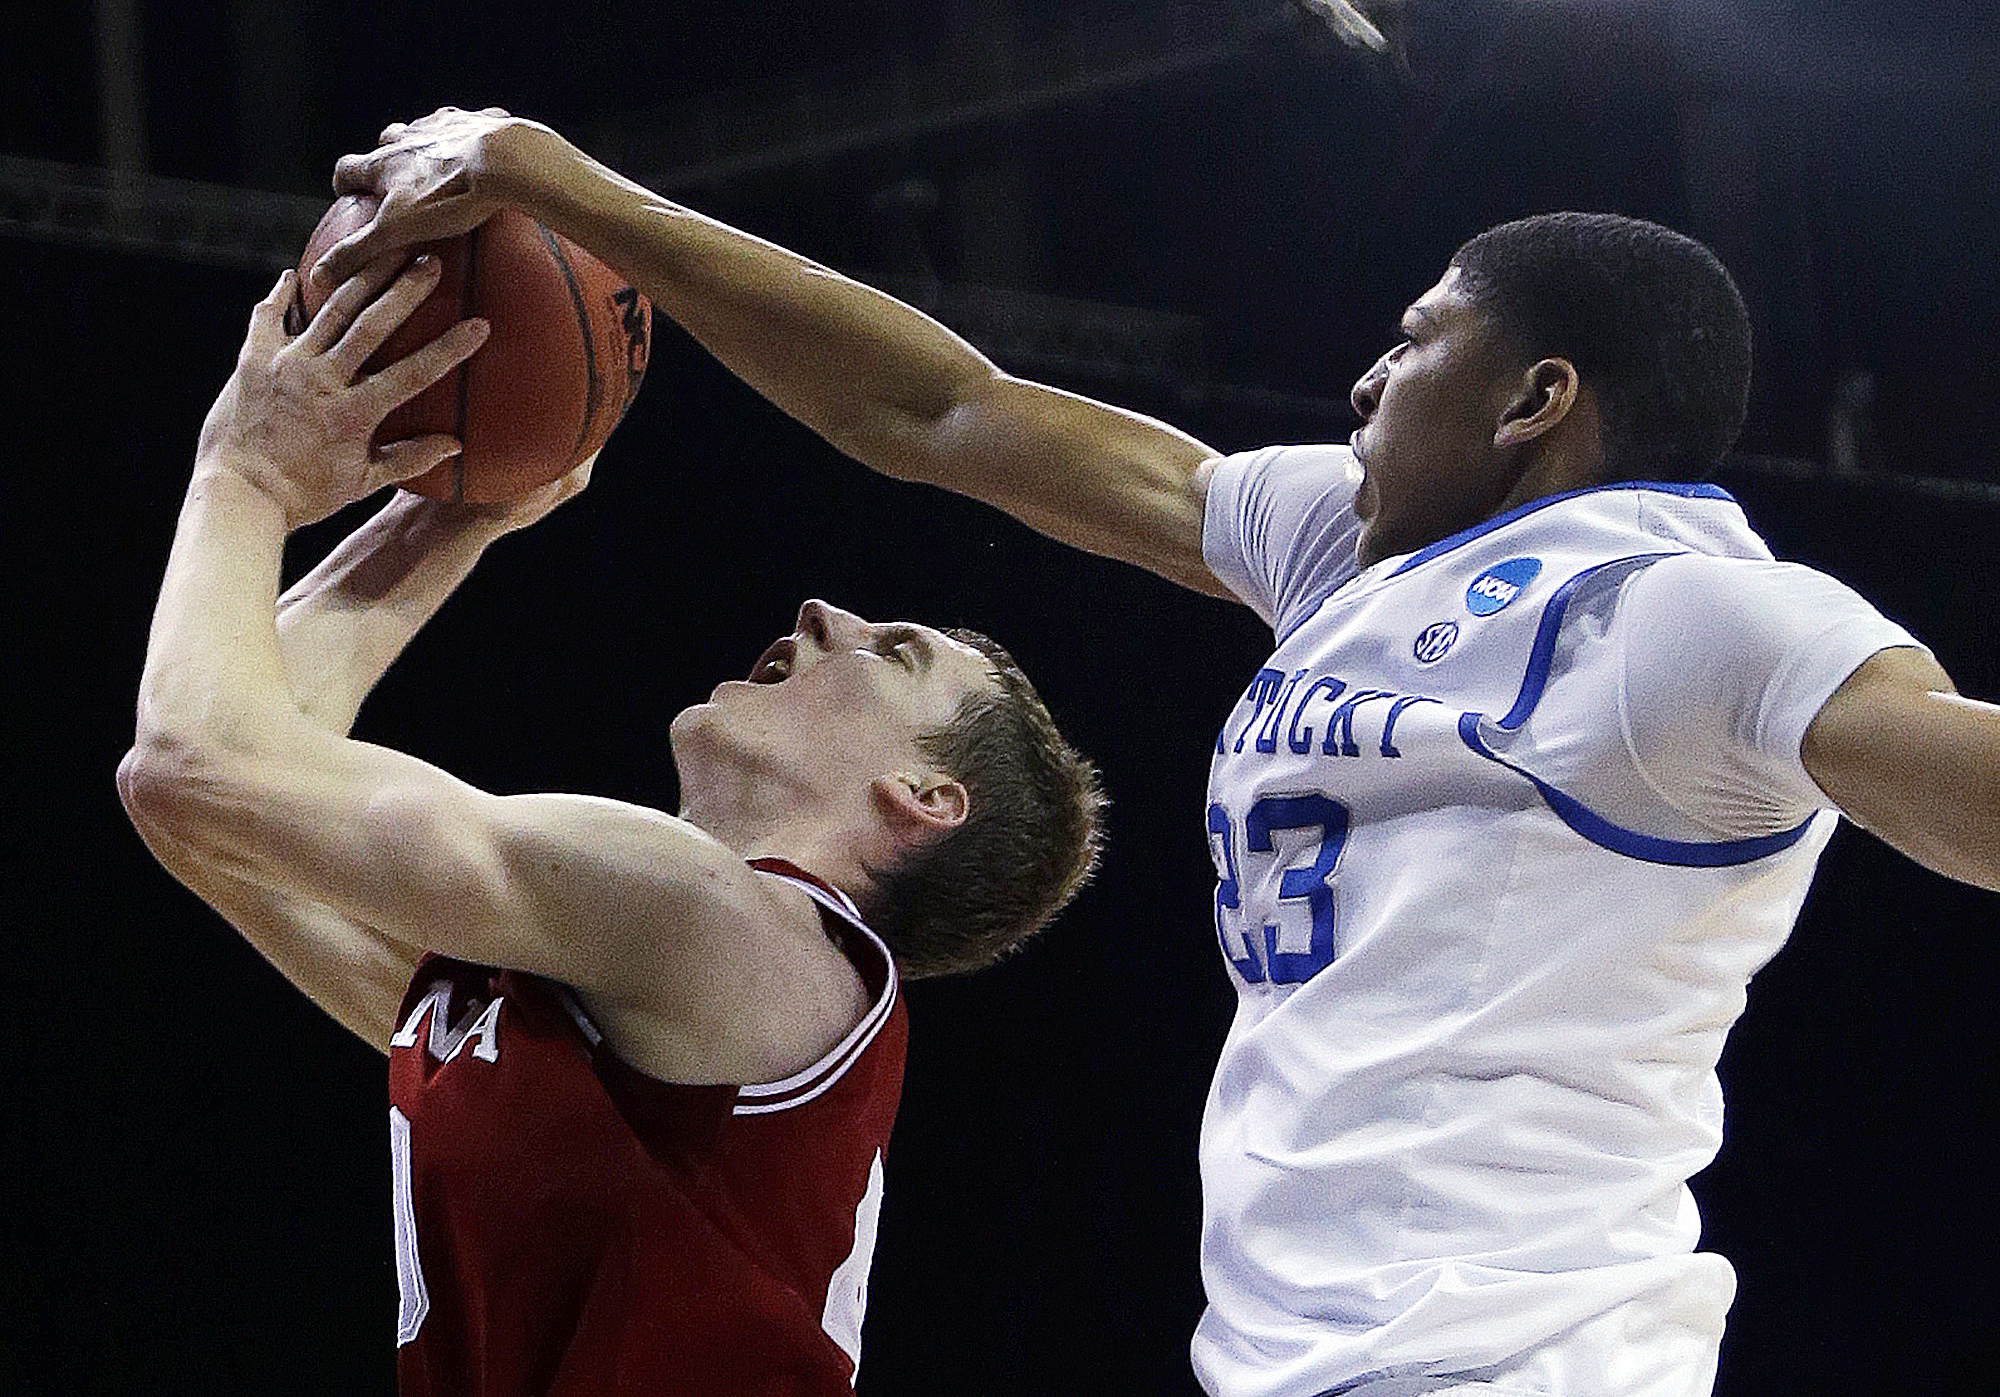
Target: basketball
566, 354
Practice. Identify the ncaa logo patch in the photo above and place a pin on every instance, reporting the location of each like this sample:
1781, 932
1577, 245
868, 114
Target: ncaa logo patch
1494, 588
1435, 642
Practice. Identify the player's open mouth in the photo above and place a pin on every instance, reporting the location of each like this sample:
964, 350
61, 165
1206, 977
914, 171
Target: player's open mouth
774, 666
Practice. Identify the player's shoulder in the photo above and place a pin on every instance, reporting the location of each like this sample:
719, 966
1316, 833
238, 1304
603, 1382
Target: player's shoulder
769, 984
796, 924
1330, 465
1704, 609
1734, 584
810, 910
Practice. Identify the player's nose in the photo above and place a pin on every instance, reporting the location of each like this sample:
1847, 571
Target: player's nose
827, 626
1366, 394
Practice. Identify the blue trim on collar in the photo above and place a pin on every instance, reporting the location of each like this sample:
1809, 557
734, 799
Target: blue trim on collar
1693, 490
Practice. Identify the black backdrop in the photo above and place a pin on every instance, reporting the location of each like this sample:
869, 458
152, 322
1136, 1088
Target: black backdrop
198, 1186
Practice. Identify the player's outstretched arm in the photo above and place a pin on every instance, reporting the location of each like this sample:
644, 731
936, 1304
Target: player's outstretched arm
352, 970
1905, 756
878, 379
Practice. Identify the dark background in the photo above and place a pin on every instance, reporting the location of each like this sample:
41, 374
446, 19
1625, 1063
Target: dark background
1211, 212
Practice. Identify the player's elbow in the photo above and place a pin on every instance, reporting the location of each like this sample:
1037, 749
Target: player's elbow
170, 785
147, 780
922, 436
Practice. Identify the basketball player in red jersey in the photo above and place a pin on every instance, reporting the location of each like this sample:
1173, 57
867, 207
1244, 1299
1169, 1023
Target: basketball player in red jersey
642, 1067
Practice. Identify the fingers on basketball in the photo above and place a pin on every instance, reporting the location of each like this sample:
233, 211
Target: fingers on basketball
569, 345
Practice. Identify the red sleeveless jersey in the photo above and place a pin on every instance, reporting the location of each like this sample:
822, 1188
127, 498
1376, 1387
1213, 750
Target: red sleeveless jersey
566, 1224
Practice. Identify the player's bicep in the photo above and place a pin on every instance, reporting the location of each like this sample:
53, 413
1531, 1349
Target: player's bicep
631, 904
1906, 757
381, 838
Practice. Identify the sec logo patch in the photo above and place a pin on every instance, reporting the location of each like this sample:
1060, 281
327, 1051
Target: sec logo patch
1494, 588
1435, 642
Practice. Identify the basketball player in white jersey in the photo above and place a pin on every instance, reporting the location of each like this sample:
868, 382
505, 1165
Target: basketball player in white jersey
1534, 780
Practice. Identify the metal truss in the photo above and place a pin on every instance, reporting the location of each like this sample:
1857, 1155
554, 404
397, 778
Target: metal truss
729, 133
186, 220
258, 230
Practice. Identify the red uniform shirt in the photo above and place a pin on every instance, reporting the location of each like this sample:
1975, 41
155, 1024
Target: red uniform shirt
566, 1224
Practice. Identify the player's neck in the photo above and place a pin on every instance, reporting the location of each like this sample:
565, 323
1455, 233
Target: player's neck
1569, 458
797, 829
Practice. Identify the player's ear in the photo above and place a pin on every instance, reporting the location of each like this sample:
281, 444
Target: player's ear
1540, 400
921, 805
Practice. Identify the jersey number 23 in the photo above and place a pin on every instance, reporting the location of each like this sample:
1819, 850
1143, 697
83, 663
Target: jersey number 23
1307, 832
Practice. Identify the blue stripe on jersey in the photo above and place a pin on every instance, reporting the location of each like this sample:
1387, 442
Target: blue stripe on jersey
1573, 812
1693, 490
1542, 654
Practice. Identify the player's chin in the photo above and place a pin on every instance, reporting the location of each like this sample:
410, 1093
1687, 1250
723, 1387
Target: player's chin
699, 720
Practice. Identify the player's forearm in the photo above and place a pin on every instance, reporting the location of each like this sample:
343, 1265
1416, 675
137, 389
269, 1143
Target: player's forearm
870, 374
218, 728
213, 678
344, 623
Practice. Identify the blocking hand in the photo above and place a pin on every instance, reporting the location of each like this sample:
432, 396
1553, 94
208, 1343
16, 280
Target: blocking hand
434, 177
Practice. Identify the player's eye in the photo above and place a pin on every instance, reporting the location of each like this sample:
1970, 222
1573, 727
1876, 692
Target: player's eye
899, 650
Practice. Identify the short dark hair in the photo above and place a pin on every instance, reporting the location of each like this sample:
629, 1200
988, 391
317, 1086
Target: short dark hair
1651, 319
1029, 841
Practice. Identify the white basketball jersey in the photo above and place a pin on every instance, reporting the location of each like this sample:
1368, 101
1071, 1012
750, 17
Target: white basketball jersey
1501, 831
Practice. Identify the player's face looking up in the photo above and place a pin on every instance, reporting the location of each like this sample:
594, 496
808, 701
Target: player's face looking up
1429, 411
831, 708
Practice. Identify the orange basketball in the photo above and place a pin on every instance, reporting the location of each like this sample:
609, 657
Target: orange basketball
566, 354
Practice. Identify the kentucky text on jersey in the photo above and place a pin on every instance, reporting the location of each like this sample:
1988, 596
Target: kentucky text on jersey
1294, 709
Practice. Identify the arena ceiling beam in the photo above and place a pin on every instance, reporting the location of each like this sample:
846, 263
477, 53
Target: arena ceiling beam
988, 76
259, 230
985, 76
124, 211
